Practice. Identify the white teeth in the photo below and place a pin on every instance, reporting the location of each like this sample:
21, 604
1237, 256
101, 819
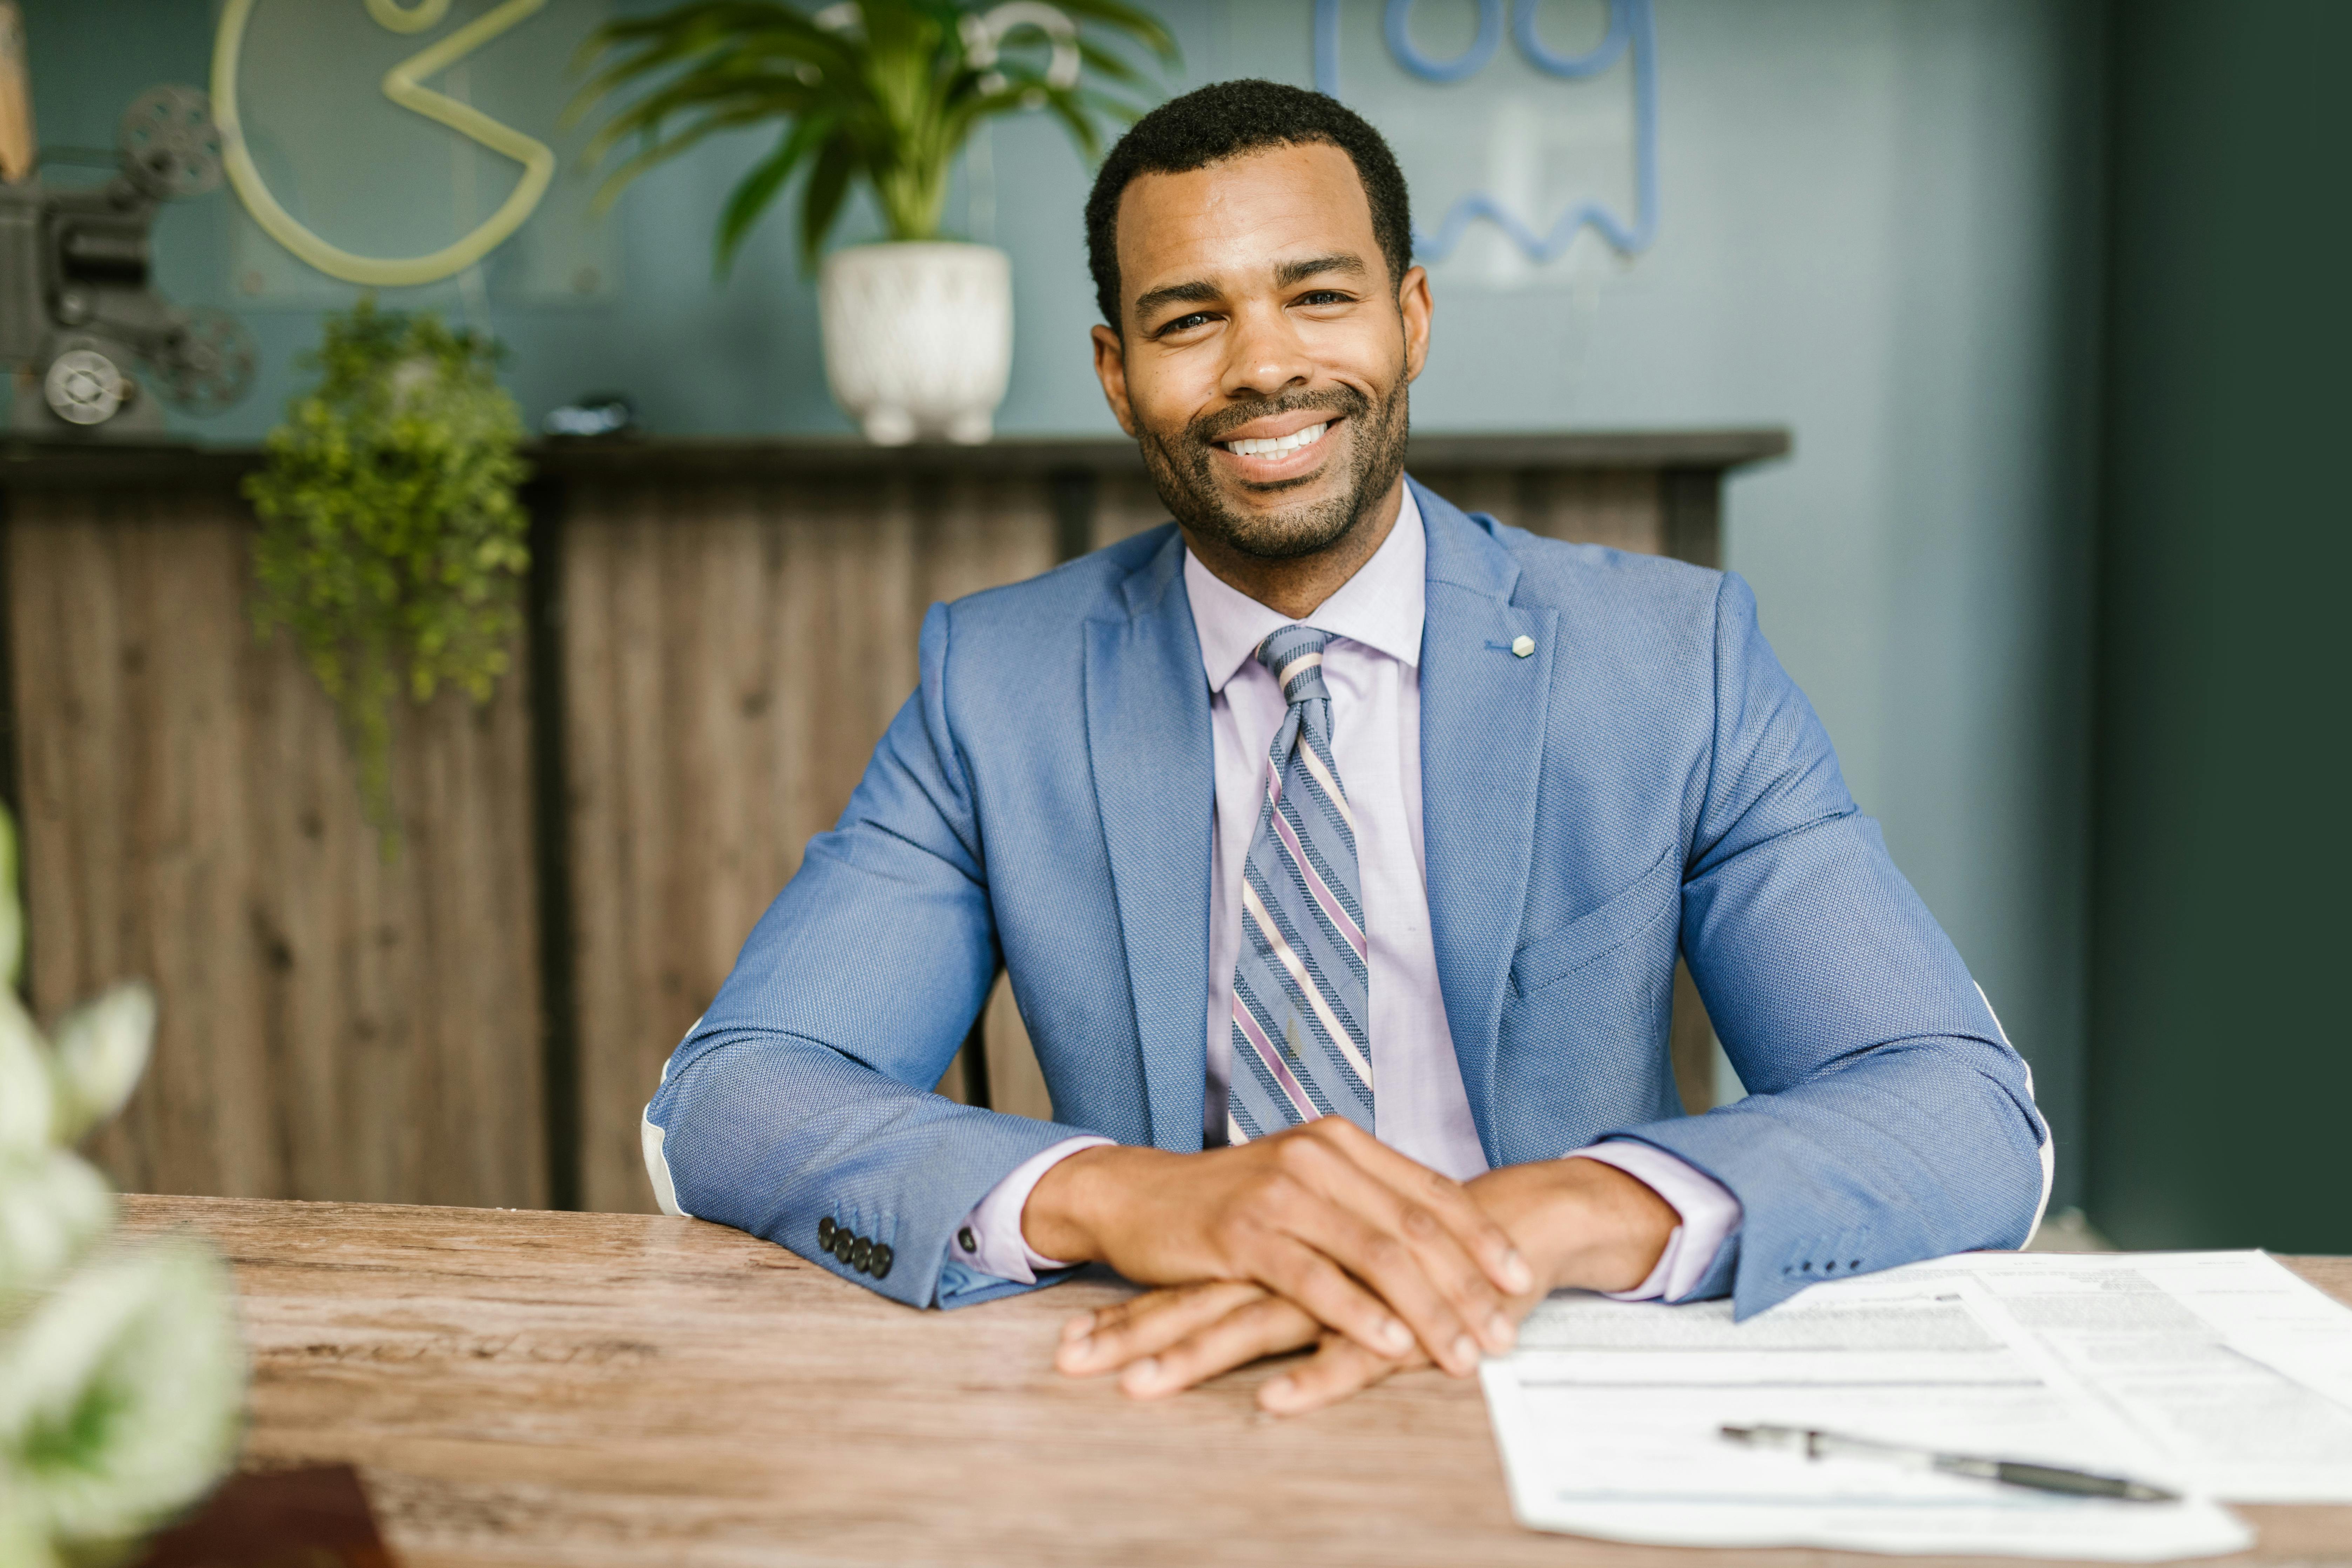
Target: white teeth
1277, 446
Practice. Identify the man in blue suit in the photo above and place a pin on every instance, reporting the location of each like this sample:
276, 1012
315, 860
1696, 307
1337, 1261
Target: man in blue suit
1412, 810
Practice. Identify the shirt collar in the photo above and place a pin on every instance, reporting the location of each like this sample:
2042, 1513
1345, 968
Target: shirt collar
1381, 606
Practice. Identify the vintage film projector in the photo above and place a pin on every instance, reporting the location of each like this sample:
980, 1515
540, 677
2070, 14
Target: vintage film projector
77, 306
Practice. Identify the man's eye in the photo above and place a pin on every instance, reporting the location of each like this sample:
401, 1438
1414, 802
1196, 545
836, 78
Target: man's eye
1323, 297
1183, 323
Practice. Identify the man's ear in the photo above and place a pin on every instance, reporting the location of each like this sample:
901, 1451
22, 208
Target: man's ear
1415, 307
1110, 368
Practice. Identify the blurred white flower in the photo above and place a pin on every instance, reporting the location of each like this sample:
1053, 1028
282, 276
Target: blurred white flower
53, 1206
23, 1544
26, 1099
120, 1396
121, 1382
101, 1049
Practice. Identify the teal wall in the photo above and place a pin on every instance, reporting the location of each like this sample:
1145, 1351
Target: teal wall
1879, 227
2222, 1060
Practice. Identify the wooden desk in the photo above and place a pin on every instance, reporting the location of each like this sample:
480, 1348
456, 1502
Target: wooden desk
571, 1388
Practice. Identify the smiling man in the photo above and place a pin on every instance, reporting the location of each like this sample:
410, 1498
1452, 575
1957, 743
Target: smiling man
1340, 846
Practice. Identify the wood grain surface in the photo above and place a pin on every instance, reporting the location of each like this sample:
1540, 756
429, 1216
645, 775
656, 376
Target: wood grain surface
731, 654
333, 1025
544, 1389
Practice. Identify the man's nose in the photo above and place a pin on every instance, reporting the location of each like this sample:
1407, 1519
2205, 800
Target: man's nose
1267, 357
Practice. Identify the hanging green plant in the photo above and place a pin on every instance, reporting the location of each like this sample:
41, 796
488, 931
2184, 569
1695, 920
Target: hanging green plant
392, 543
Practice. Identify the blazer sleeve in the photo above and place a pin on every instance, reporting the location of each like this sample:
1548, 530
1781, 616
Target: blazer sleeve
804, 1095
1887, 1118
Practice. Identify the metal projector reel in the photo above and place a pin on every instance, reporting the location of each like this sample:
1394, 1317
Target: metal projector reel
84, 386
207, 365
171, 148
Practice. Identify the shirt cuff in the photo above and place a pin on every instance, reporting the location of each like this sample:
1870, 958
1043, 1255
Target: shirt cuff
989, 1240
1709, 1214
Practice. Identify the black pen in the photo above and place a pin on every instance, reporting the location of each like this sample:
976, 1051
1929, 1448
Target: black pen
2009, 1472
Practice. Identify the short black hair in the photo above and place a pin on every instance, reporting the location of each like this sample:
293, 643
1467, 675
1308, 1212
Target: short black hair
1225, 119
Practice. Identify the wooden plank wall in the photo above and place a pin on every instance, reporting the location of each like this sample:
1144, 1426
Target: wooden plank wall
333, 1025
727, 650
731, 654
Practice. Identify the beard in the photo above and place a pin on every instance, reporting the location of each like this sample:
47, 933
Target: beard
1182, 470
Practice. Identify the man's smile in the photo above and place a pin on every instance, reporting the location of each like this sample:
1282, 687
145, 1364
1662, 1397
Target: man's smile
1278, 447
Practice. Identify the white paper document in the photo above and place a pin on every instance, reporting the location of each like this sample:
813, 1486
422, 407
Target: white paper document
2198, 1373
2238, 1374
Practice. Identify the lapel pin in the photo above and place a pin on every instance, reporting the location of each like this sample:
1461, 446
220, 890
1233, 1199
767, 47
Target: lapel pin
1523, 645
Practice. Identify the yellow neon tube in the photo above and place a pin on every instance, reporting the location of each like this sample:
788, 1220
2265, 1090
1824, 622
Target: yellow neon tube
402, 85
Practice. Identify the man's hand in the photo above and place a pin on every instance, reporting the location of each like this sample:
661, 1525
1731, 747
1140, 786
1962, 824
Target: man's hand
1366, 1241
1582, 1222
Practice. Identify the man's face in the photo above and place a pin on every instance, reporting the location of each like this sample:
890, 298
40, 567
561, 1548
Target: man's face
1267, 351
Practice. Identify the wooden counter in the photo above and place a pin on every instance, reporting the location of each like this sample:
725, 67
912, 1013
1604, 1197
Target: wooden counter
547, 1390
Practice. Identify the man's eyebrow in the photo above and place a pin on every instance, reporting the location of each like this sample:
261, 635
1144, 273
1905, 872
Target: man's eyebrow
1286, 274
1174, 294
1290, 272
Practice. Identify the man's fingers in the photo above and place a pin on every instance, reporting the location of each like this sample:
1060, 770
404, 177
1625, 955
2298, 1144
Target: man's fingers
1394, 1271
1267, 1326
1446, 1201
1109, 1337
1418, 1269
1459, 1248
1339, 1368
1307, 1276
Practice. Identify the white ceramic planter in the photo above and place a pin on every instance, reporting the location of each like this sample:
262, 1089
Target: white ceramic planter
917, 338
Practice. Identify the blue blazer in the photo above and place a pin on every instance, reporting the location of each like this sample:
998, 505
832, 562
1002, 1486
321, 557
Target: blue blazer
1649, 780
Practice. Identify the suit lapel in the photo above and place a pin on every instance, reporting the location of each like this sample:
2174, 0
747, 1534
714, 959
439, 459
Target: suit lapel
1155, 783
1483, 710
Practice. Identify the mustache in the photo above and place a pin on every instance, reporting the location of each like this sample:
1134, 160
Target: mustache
1211, 428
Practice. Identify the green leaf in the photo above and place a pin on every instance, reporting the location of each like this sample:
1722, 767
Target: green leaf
828, 183
759, 188
663, 152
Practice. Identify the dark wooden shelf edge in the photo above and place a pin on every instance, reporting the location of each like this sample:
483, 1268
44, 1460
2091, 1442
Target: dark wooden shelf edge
25, 466
1715, 449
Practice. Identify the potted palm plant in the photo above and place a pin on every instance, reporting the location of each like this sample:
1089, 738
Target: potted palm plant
882, 94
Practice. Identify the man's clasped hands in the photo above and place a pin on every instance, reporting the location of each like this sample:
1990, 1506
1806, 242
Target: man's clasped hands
1322, 1236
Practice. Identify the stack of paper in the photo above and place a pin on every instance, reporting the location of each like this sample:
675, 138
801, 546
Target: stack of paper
2216, 1374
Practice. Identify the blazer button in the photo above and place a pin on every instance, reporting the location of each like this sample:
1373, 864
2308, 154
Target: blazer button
840, 1240
825, 1228
881, 1267
964, 1239
861, 1253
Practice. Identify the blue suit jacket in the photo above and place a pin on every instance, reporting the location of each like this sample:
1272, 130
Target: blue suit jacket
1650, 779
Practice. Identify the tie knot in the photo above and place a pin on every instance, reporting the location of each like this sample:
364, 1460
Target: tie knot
1295, 657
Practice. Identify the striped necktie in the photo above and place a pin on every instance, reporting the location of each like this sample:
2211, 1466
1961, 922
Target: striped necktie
1300, 987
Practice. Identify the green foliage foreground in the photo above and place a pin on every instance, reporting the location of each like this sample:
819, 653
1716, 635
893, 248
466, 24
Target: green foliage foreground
392, 544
